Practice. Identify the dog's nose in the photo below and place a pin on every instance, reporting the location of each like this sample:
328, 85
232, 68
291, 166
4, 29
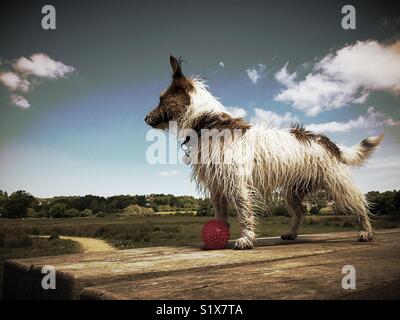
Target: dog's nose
145, 119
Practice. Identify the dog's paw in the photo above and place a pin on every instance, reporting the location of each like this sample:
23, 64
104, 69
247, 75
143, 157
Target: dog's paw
288, 236
244, 244
365, 236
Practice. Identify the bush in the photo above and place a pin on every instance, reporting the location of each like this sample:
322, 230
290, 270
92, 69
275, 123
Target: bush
54, 235
279, 210
57, 210
72, 213
315, 210
31, 213
86, 213
205, 208
134, 209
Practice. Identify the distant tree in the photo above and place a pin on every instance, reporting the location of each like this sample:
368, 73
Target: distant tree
141, 201
57, 210
3, 199
317, 201
396, 202
3, 193
72, 213
205, 208
42, 214
17, 204
383, 203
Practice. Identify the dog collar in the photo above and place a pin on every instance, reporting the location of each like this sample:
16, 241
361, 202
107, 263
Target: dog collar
185, 148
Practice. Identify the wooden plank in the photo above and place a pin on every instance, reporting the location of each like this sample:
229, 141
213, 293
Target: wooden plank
307, 277
79, 271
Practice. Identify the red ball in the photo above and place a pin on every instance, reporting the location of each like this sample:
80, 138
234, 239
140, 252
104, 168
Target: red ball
215, 234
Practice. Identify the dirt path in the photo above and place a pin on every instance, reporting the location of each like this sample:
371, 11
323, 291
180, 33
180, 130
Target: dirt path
89, 244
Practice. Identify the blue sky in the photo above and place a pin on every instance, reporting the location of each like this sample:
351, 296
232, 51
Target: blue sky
83, 131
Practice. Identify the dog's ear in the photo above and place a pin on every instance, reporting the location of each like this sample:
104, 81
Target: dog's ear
176, 68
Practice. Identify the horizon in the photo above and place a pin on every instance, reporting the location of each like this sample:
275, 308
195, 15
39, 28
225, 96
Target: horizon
146, 195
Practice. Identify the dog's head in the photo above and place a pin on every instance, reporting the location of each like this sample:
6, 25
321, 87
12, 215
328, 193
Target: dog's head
174, 101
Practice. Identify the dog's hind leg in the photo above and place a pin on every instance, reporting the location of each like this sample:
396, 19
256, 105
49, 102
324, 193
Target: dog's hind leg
246, 218
349, 198
296, 210
220, 205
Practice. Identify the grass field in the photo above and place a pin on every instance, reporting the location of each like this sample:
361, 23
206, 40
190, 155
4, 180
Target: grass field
141, 231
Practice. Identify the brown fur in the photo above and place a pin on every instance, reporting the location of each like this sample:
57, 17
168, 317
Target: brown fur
367, 144
306, 136
219, 121
174, 101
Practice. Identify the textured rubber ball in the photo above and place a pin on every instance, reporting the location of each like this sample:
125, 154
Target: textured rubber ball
215, 234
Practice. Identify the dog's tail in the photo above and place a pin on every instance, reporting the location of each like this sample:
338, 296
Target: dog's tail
358, 154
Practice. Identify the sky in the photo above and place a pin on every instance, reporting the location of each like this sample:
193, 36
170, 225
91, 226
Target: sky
73, 99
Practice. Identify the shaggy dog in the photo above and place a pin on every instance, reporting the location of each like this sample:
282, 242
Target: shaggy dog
251, 163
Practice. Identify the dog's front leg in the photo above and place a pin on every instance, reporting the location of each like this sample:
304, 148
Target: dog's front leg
243, 204
220, 206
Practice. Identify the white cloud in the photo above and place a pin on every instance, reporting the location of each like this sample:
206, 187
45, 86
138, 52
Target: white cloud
284, 77
319, 93
367, 64
272, 119
41, 65
19, 101
373, 119
256, 72
222, 64
13, 82
343, 78
38, 65
168, 173
236, 112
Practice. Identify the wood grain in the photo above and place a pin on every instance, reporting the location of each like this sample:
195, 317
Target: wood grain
308, 268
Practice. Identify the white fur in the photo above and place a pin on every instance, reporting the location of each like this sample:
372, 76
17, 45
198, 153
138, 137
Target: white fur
266, 162
202, 100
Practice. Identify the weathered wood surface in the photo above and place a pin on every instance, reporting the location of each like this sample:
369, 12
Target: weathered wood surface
308, 268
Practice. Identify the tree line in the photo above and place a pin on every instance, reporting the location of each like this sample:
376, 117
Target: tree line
21, 204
